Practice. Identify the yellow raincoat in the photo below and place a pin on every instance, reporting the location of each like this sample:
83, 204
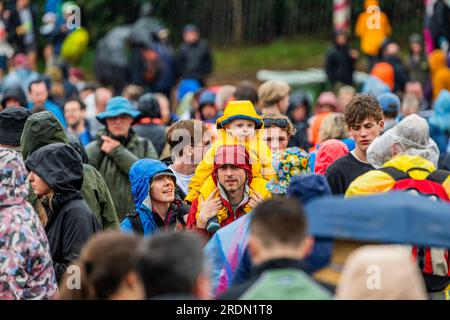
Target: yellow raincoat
259, 151
440, 73
371, 34
376, 181
257, 184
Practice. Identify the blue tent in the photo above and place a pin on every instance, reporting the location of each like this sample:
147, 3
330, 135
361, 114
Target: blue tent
395, 217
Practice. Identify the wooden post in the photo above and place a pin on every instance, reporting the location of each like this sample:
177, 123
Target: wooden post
237, 21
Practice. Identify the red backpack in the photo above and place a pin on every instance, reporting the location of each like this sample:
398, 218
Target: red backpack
432, 261
152, 65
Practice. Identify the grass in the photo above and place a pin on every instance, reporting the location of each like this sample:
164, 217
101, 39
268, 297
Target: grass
237, 63
234, 63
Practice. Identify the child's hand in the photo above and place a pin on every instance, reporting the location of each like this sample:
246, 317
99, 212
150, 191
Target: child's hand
208, 209
255, 199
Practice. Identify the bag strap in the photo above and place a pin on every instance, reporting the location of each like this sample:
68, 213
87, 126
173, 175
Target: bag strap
438, 176
136, 223
395, 173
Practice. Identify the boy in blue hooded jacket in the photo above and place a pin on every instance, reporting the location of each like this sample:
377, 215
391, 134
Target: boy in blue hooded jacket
157, 205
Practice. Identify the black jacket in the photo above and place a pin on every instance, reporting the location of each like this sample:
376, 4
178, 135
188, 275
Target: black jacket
339, 65
401, 75
195, 61
156, 133
70, 222
14, 22
440, 21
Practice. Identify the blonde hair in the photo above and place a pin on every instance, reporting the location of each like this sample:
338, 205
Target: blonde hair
333, 127
290, 130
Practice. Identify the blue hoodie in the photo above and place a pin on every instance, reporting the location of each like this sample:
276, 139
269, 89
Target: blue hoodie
141, 174
439, 122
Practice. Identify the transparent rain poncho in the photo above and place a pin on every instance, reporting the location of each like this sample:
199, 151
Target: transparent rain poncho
411, 136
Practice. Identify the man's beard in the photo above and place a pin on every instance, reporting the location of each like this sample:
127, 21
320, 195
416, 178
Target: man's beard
121, 138
74, 126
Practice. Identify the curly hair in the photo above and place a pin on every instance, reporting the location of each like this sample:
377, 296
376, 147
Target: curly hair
362, 107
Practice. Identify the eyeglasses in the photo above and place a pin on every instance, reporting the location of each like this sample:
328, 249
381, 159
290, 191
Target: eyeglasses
281, 123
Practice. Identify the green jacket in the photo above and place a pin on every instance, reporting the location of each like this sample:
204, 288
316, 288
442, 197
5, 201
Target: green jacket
115, 166
285, 284
42, 129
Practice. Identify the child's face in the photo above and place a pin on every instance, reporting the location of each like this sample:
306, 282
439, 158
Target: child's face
241, 128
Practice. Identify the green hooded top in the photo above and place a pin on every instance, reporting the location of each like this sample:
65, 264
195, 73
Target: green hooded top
115, 167
42, 129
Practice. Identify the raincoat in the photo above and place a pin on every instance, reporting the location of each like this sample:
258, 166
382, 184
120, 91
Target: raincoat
228, 155
372, 35
376, 181
260, 154
42, 129
440, 73
70, 221
141, 175
115, 166
25, 261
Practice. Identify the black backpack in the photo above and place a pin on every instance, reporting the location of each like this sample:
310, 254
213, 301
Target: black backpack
136, 223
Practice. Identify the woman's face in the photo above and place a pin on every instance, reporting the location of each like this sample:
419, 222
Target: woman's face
38, 185
276, 138
299, 113
162, 189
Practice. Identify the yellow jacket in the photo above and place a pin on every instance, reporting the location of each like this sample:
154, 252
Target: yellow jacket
366, 29
376, 181
260, 159
440, 73
257, 184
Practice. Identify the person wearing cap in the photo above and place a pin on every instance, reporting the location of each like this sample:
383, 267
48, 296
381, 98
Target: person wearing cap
207, 107
390, 104
230, 192
157, 208
274, 96
12, 121
116, 149
239, 125
14, 96
150, 124
195, 59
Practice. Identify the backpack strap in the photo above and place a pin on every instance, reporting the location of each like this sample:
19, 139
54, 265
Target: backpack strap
395, 173
136, 223
438, 176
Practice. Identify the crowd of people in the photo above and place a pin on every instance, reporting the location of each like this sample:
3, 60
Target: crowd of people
216, 192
